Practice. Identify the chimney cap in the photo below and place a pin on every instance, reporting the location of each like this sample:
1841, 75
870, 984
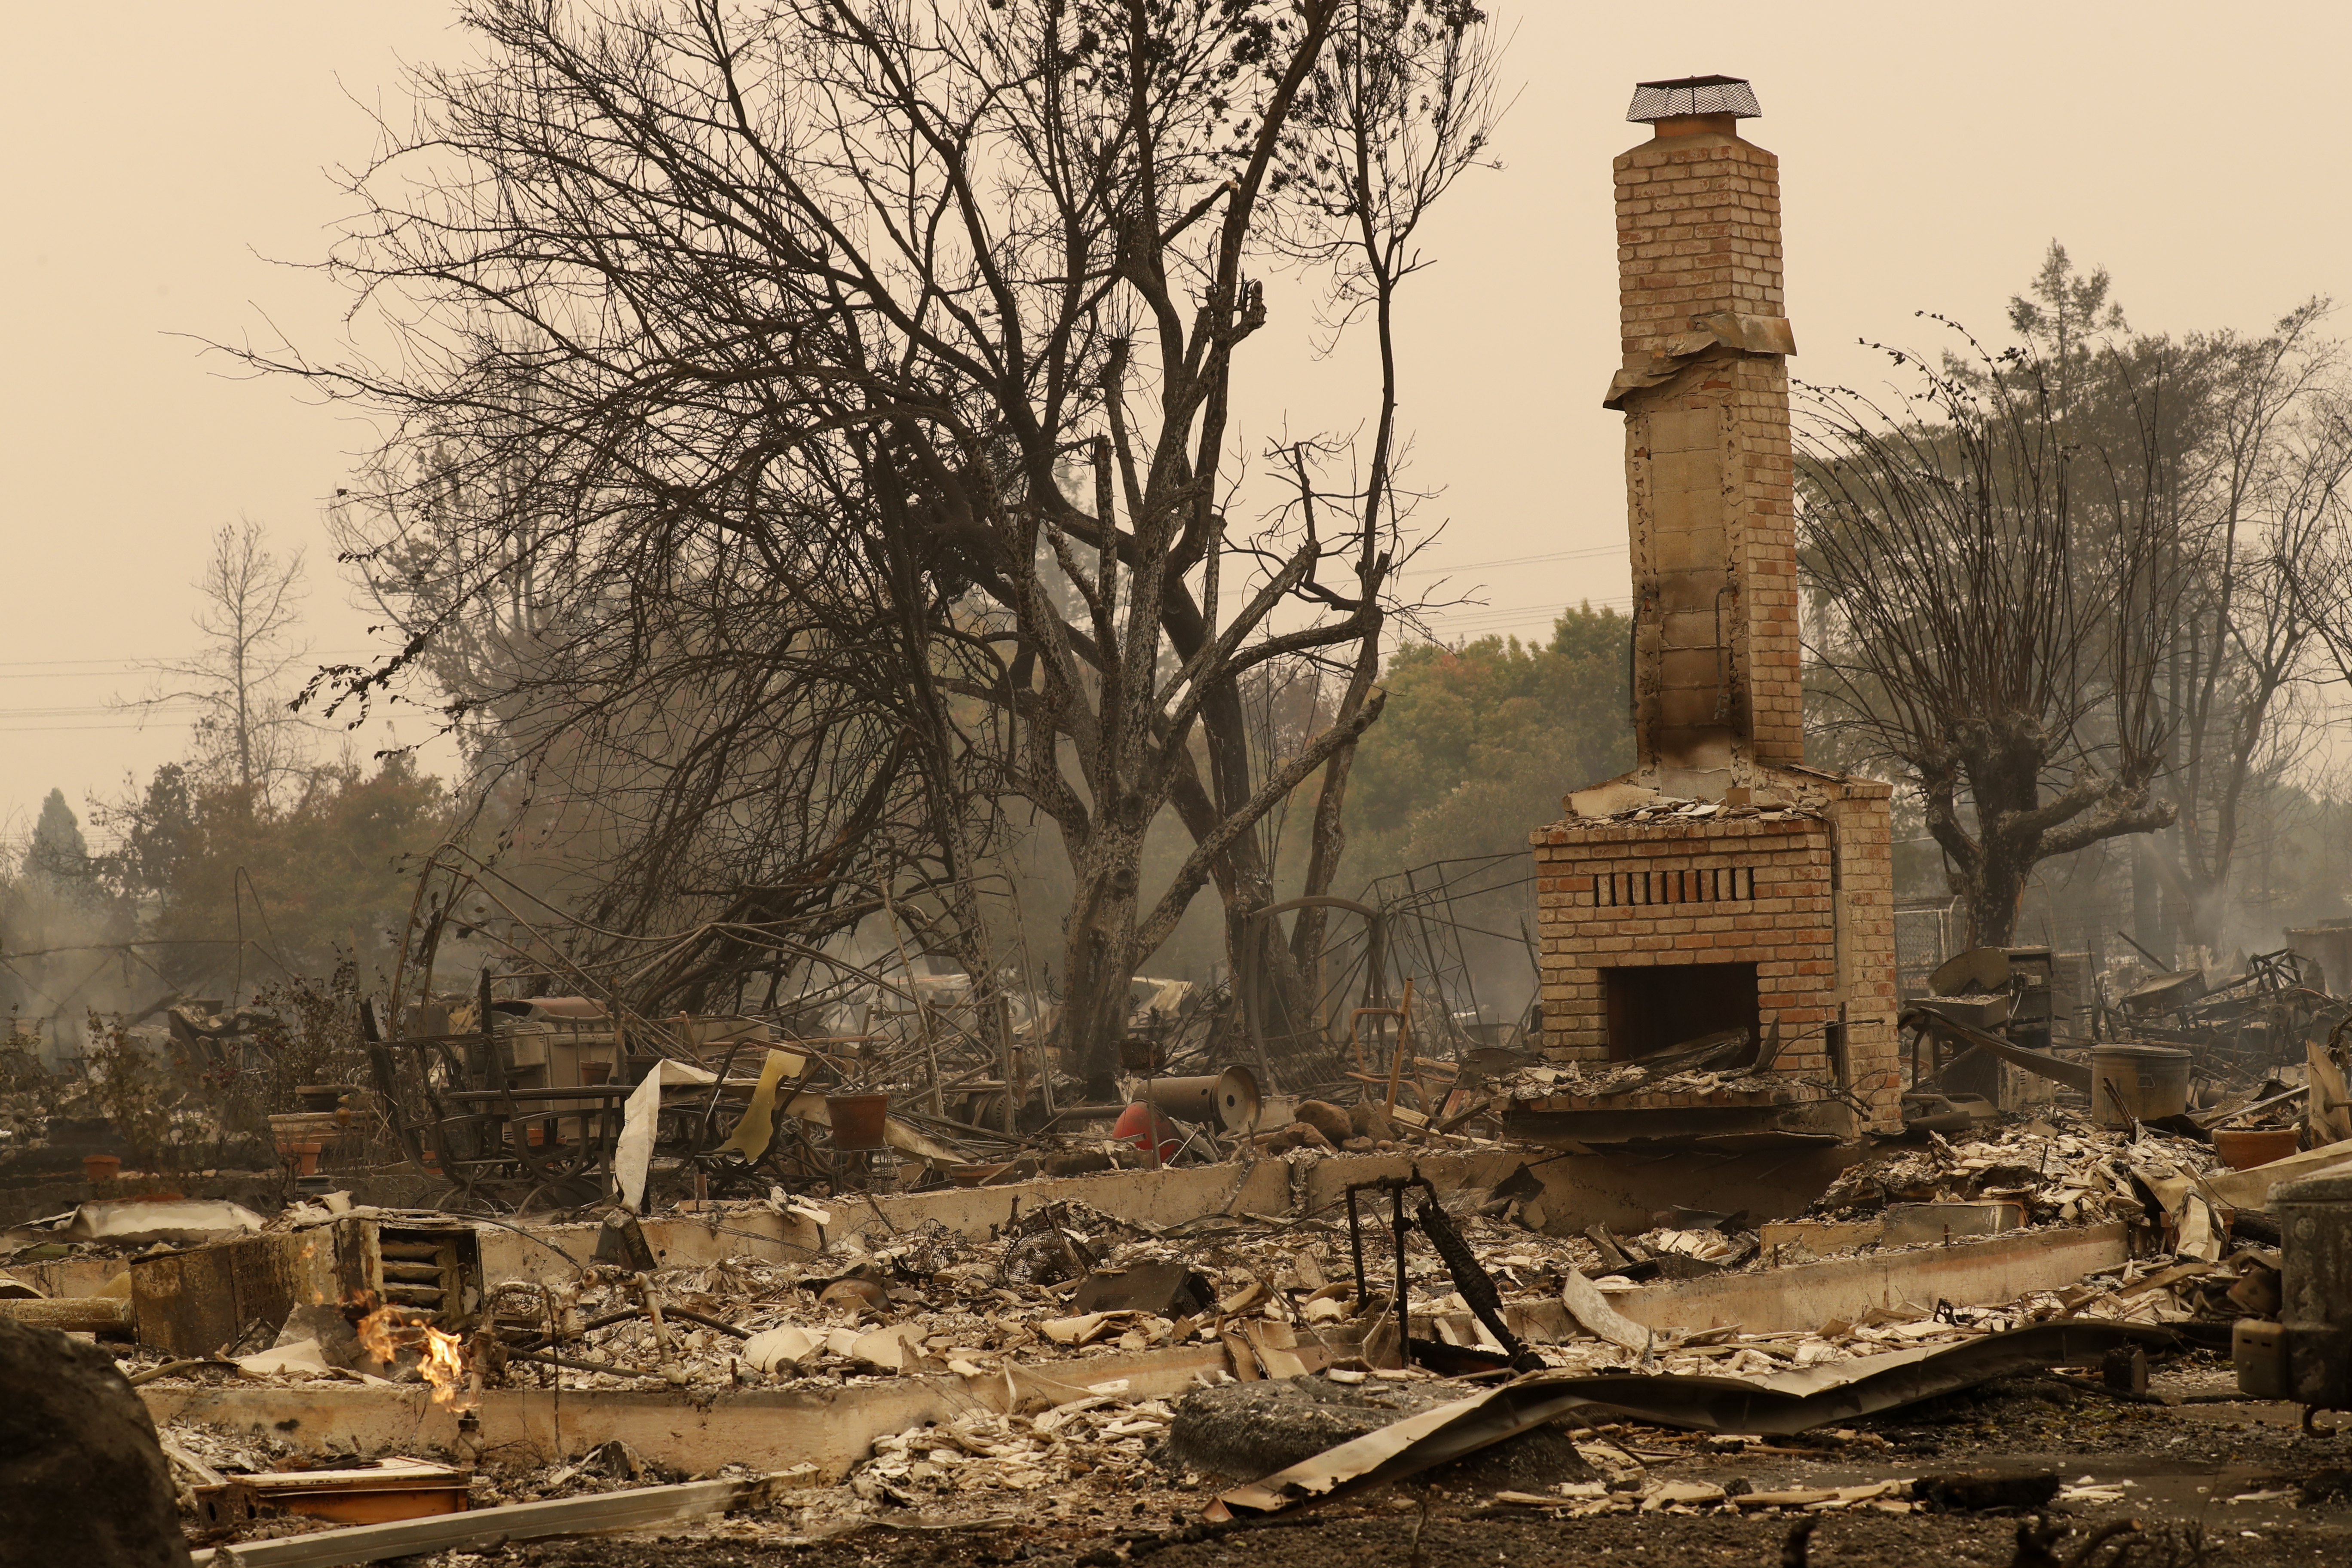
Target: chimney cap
1655, 101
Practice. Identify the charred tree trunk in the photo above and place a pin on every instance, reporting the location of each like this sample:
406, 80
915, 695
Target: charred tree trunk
1098, 957
2018, 826
1328, 836
1245, 883
1993, 896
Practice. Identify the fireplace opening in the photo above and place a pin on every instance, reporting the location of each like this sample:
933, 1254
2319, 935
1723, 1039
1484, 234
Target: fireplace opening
1654, 1007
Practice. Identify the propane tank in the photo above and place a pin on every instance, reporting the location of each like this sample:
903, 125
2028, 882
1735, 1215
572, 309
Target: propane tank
1138, 1124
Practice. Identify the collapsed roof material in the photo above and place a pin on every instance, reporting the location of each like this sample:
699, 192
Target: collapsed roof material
1788, 1403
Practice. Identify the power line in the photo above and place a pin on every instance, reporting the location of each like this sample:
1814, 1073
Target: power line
51, 668
79, 674
1545, 608
1586, 554
59, 730
1555, 604
101, 710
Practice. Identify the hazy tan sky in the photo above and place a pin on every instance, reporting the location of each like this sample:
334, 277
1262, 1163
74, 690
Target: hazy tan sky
161, 156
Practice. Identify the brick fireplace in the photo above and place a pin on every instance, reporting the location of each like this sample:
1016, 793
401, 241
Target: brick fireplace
1722, 884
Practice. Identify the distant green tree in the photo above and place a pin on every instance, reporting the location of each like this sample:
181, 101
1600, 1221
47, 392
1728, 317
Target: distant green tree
325, 866
160, 833
2067, 317
1478, 742
58, 856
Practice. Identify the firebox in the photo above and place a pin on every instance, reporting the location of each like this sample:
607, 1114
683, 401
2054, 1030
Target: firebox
1654, 1007
1722, 884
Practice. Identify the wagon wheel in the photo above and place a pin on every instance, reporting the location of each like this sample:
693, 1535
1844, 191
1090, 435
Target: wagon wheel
564, 1194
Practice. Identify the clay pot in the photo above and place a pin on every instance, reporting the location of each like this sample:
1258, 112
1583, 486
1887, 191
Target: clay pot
2243, 1148
101, 1167
857, 1120
592, 1074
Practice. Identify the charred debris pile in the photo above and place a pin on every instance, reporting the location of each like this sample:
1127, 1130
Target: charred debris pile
1093, 1361
2254, 1064
512, 1098
1207, 1298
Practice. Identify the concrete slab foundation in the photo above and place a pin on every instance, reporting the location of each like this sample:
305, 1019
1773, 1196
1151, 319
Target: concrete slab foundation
1807, 1295
1624, 1192
769, 1429
835, 1428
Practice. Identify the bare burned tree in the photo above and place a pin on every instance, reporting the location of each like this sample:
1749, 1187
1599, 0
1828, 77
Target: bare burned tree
242, 673
1990, 612
2255, 492
1400, 107
732, 728
782, 327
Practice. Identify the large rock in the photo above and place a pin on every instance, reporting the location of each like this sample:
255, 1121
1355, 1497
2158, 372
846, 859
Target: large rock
1243, 1431
1328, 1119
81, 1479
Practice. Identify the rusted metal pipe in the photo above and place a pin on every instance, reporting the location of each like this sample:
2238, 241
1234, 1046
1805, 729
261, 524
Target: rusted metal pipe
72, 1314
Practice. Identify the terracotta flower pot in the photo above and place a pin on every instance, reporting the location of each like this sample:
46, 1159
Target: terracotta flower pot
101, 1167
857, 1120
2243, 1148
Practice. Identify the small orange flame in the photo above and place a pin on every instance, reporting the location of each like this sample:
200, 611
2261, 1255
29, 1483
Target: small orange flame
375, 1333
384, 1333
445, 1369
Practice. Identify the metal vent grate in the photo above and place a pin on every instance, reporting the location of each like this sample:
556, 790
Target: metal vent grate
432, 1273
1692, 95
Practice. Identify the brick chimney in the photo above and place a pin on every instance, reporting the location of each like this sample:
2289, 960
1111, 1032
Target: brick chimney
1721, 885
1708, 459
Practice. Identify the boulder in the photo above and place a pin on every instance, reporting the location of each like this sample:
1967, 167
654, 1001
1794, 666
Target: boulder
1328, 1120
83, 1479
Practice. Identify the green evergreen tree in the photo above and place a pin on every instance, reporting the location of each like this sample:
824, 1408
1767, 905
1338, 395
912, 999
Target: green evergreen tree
58, 854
